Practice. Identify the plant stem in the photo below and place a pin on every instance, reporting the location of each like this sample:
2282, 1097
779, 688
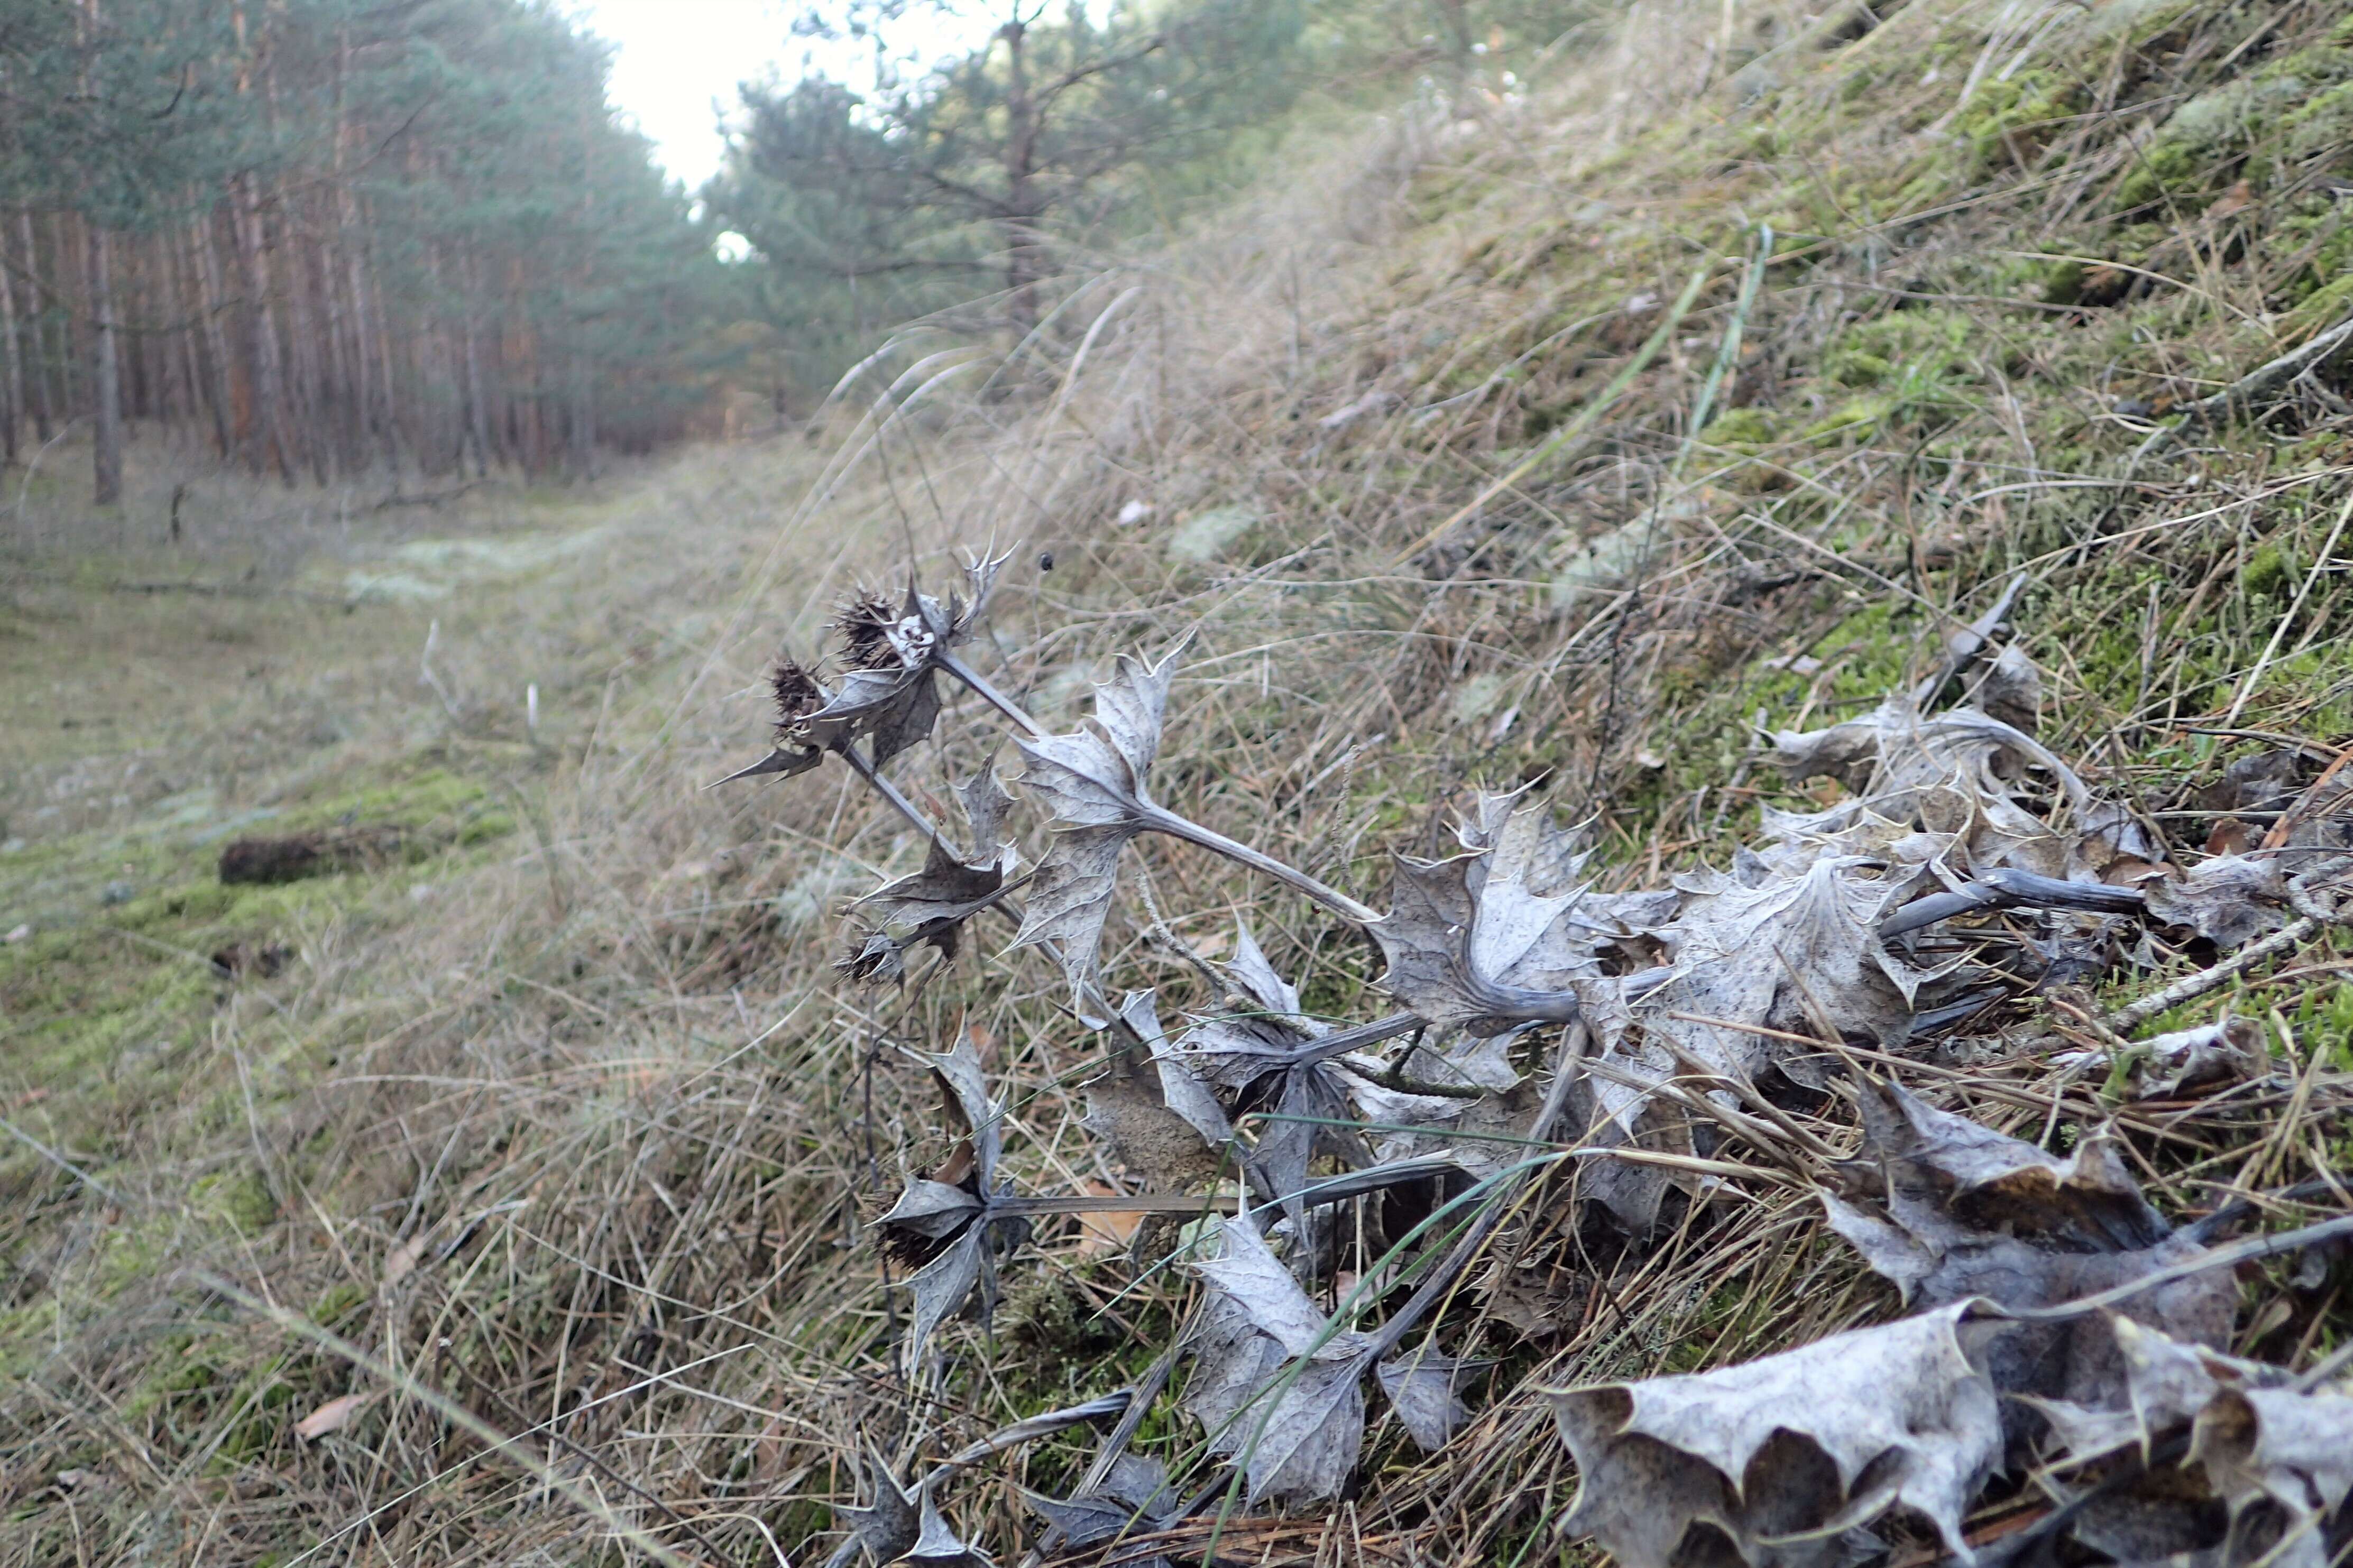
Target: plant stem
986, 692
899, 803
1160, 820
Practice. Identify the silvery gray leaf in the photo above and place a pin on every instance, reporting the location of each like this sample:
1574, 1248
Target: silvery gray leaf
885, 1528
1948, 1210
953, 885
932, 1209
943, 1285
893, 708
1481, 1138
2011, 691
939, 1546
1094, 783
1279, 1387
2229, 900
1250, 975
1495, 936
1943, 773
1250, 1274
959, 1073
1785, 1454
1789, 956
932, 905
1422, 1386
1304, 1448
1134, 1497
1069, 899
1232, 1360
783, 761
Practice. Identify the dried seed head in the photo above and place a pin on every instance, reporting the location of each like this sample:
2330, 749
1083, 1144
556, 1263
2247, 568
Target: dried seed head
865, 622
797, 694
877, 959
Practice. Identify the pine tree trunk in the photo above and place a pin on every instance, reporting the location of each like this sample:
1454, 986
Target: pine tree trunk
106, 373
36, 350
207, 351
12, 389
234, 376
274, 441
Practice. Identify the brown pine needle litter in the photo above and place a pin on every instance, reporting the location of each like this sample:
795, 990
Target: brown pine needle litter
576, 1171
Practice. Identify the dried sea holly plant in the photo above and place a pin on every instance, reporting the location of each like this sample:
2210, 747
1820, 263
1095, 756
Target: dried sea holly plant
1564, 1058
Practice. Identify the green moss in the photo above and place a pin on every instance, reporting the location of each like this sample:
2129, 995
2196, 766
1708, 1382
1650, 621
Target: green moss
2009, 121
1748, 431
2267, 572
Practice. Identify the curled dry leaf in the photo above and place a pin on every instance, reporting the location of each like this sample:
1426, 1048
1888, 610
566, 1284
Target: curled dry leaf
1950, 772
2168, 1064
955, 1231
2229, 900
1094, 783
1494, 937
1783, 1456
932, 905
2197, 1429
1947, 1210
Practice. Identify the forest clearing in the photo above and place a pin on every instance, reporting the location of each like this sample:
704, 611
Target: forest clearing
1588, 801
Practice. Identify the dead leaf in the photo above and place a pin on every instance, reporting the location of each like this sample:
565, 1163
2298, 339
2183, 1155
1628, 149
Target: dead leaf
886, 1529
1780, 1457
932, 906
332, 1416
1948, 1210
1095, 786
1279, 1387
2229, 900
2277, 1457
1133, 1499
956, 1232
1266, 1056
2165, 1066
1947, 774
1494, 937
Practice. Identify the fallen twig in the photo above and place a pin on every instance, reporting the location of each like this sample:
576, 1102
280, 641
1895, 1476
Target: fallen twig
2243, 392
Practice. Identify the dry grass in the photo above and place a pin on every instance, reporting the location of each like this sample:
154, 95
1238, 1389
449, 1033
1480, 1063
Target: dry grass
581, 1141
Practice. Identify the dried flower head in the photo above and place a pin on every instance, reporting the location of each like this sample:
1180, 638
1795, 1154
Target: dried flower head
865, 622
797, 691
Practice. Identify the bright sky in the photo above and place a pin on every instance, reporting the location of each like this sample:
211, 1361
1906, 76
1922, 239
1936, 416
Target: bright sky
672, 59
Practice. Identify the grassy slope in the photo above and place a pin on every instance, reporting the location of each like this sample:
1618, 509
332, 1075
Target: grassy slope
584, 1111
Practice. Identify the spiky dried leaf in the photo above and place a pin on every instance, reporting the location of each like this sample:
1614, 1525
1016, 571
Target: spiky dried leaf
2275, 1458
1947, 773
1780, 1457
958, 1229
2229, 900
1494, 937
931, 906
1095, 785
1132, 1499
1280, 1386
1949, 1210
884, 1529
